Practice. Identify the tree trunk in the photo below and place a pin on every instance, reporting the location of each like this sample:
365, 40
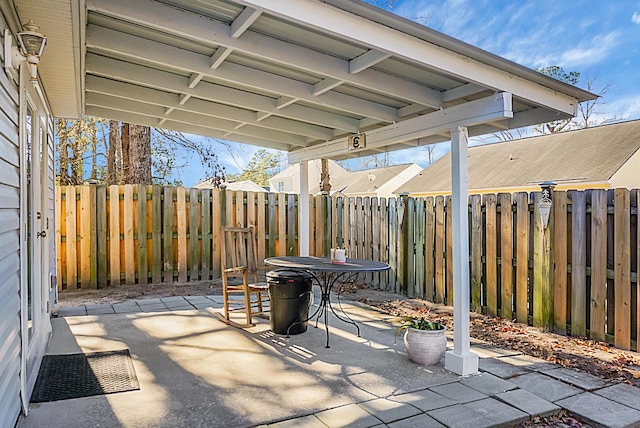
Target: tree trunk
125, 140
140, 154
113, 141
94, 150
63, 154
77, 167
325, 186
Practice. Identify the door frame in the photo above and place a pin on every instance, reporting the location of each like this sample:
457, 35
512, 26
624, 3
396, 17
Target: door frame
34, 276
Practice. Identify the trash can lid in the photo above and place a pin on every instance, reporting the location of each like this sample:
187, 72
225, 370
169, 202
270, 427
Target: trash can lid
289, 274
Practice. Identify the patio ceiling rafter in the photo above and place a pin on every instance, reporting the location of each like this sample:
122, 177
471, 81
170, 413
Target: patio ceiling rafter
370, 33
226, 126
118, 71
141, 119
107, 42
127, 91
202, 30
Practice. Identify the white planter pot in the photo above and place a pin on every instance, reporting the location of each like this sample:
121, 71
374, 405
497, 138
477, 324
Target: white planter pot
425, 347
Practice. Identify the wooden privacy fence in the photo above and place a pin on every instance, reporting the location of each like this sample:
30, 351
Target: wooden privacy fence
577, 276
138, 234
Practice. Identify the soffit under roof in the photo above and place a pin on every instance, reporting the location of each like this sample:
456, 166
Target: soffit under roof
60, 67
262, 73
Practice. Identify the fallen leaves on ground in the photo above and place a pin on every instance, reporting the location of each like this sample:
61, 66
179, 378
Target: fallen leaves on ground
563, 419
594, 357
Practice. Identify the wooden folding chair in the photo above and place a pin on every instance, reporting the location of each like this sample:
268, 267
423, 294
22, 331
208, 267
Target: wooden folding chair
240, 262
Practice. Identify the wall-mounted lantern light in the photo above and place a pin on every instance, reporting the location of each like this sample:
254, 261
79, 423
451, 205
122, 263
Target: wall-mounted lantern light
546, 202
30, 47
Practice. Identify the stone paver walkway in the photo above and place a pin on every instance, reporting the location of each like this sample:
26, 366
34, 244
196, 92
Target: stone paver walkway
510, 387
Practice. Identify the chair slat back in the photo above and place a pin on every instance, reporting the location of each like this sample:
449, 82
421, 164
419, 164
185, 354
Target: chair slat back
238, 249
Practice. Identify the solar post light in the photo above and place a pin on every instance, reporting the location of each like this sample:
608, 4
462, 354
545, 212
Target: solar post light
546, 202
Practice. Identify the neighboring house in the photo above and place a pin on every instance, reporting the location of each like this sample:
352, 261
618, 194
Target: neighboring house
602, 157
246, 185
288, 181
28, 283
377, 182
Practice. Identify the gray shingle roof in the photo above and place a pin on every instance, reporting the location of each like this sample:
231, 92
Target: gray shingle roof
587, 155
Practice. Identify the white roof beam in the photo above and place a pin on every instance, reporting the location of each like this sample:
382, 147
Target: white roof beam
135, 107
462, 92
219, 56
366, 60
332, 20
169, 82
283, 102
164, 18
136, 48
484, 110
411, 109
368, 122
194, 79
115, 114
132, 92
519, 120
325, 85
260, 116
242, 23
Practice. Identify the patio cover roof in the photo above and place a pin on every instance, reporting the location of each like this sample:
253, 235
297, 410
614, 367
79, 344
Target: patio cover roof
295, 75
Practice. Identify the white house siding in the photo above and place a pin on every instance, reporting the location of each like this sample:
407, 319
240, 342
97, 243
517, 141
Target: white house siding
629, 174
290, 177
10, 340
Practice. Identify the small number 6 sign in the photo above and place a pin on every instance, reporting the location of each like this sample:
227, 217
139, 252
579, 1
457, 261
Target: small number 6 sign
357, 142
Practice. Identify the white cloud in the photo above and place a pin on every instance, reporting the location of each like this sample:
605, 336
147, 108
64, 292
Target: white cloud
626, 108
538, 49
590, 52
635, 18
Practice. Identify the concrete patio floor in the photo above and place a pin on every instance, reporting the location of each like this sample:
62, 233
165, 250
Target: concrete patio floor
195, 371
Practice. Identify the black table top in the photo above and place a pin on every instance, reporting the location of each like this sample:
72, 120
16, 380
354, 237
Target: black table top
324, 264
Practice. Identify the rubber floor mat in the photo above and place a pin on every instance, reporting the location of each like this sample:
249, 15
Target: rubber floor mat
62, 377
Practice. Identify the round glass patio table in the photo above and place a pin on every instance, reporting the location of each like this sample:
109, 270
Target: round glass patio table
327, 274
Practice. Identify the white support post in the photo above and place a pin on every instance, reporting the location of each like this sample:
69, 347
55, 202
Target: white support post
460, 360
303, 209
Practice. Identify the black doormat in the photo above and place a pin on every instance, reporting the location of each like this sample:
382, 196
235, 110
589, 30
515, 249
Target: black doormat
62, 377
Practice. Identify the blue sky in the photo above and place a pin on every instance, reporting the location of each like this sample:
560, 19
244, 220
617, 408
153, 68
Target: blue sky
600, 39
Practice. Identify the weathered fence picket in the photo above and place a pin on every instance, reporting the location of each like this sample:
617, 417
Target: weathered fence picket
522, 257
491, 252
560, 240
598, 264
506, 256
622, 269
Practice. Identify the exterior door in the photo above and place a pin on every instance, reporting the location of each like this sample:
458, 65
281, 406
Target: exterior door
34, 315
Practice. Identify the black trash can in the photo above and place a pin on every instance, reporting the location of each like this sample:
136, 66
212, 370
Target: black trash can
289, 291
